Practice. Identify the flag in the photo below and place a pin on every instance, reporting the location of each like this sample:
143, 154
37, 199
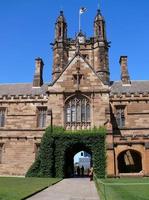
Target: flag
82, 10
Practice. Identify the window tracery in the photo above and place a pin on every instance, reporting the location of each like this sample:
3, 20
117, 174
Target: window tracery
77, 110
41, 117
120, 116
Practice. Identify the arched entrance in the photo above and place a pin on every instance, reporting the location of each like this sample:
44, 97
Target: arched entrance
70, 152
129, 161
58, 147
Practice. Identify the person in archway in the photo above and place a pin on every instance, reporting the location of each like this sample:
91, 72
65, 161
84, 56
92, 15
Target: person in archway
78, 171
82, 170
91, 173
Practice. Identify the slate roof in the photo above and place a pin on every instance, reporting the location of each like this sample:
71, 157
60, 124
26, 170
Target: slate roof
22, 89
27, 88
135, 87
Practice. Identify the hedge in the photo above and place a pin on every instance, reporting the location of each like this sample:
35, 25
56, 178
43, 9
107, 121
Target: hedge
59, 146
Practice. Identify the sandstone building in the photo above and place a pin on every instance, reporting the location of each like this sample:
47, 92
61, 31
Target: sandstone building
80, 96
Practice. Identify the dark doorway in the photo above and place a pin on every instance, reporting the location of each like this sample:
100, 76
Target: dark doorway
129, 161
70, 167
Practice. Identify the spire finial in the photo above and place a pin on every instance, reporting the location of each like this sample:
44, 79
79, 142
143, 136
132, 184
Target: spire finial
98, 8
61, 12
98, 5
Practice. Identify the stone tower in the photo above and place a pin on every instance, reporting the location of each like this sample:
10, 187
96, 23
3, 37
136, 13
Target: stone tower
101, 46
94, 49
60, 46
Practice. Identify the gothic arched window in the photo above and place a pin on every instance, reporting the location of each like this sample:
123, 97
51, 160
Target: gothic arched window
77, 109
120, 116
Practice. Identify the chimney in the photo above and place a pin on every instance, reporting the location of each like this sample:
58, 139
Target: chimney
124, 70
38, 80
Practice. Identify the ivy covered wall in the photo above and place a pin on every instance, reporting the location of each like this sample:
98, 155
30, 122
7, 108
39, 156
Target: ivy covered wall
59, 146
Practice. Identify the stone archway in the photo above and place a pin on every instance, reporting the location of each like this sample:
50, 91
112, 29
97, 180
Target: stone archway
69, 155
129, 161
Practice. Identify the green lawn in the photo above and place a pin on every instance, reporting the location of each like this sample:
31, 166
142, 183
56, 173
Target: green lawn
18, 188
124, 189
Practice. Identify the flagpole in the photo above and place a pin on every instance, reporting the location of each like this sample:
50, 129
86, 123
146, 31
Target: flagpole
81, 11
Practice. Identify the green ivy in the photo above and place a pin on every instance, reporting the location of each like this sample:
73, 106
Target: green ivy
57, 144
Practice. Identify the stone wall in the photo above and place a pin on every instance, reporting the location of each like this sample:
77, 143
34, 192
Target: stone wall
18, 153
19, 136
135, 134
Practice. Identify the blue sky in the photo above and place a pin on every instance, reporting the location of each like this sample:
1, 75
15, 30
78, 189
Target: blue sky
27, 29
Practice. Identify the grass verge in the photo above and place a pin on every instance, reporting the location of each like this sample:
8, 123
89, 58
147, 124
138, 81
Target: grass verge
14, 188
123, 189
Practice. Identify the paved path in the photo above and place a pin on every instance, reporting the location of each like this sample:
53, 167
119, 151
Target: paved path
69, 189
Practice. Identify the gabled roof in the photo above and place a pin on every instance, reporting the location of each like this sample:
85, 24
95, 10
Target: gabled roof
77, 54
135, 87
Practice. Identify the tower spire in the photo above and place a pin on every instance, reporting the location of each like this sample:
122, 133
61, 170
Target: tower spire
98, 7
61, 27
102, 63
59, 46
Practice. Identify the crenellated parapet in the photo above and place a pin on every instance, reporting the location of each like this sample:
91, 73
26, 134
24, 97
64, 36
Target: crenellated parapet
23, 98
124, 97
132, 139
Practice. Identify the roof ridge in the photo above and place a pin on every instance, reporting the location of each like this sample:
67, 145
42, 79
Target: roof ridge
117, 81
14, 83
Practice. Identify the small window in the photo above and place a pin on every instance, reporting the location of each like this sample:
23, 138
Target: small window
2, 117
60, 32
99, 29
41, 118
120, 116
